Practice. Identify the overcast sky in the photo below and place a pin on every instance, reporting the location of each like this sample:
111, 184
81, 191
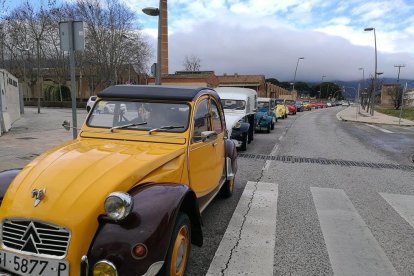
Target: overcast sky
268, 36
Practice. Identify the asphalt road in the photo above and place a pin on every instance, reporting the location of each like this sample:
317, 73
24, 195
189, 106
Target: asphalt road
342, 208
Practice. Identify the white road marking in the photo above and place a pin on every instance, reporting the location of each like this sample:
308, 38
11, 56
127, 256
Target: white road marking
352, 248
379, 128
403, 204
268, 162
247, 247
273, 153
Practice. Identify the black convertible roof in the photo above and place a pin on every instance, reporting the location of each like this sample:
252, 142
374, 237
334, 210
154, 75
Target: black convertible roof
154, 92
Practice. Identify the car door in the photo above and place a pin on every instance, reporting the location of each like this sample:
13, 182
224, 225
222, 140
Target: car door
203, 165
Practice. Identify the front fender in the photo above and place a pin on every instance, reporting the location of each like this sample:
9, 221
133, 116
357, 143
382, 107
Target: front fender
231, 152
6, 178
151, 223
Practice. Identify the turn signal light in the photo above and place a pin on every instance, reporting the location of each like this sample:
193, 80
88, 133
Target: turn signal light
139, 251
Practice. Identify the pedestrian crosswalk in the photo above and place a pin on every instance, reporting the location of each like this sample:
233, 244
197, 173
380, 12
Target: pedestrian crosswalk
248, 245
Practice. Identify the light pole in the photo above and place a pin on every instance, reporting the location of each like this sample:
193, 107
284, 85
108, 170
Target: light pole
294, 78
157, 12
320, 89
375, 75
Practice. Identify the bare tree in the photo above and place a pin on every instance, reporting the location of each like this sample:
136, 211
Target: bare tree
111, 41
192, 63
395, 94
33, 22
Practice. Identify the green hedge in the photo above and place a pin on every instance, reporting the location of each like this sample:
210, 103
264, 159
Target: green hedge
55, 104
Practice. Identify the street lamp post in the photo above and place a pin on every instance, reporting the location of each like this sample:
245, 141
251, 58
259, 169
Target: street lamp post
157, 12
363, 84
294, 78
375, 75
320, 89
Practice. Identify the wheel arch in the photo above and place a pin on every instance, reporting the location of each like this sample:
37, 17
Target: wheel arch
151, 222
6, 178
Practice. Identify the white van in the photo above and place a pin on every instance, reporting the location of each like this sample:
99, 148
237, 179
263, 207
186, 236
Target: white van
239, 106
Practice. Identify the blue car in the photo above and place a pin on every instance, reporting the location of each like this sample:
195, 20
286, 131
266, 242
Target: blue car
265, 117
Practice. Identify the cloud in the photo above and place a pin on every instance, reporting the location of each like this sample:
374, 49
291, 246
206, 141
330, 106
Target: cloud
267, 36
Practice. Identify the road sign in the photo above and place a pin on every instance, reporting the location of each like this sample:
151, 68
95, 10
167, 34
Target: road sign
78, 35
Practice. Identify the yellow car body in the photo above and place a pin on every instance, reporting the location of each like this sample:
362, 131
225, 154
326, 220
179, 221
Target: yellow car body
162, 170
306, 106
280, 109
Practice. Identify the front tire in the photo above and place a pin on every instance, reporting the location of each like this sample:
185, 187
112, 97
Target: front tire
227, 188
268, 128
179, 249
243, 146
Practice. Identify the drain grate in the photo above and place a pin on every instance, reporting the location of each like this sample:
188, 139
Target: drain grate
26, 138
323, 161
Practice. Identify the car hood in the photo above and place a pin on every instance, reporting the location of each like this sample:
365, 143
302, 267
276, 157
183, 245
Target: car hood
77, 177
81, 174
231, 120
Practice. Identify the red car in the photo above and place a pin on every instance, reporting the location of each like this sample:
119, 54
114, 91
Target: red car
291, 107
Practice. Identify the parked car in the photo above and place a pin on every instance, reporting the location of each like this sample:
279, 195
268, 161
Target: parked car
306, 105
90, 103
240, 110
265, 115
125, 197
291, 106
299, 106
280, 108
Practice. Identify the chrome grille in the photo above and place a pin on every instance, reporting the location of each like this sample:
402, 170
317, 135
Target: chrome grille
35, 237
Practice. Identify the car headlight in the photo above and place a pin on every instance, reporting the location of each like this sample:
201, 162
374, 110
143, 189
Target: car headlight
237, 125
118, 205
104, 267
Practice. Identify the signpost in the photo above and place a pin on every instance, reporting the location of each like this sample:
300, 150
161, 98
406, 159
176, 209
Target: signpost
72, 38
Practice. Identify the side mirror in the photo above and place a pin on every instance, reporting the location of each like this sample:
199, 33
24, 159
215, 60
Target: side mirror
207, 136
66, 125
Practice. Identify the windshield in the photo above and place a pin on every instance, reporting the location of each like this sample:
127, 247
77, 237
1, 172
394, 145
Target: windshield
233, 104
279, 101
140, 115
290, 102
263, 106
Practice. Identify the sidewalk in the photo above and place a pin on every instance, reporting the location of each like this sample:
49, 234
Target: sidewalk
357, 114
34, 133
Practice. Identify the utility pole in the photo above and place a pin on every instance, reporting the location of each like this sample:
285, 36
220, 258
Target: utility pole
399, 70
72, 38
398, 87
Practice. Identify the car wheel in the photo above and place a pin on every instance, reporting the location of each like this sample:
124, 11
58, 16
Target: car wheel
272, 127
268, 128
179, 249
243, 146
285, 115
227, 188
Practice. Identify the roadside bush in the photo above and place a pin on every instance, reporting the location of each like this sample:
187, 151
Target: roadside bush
52, 93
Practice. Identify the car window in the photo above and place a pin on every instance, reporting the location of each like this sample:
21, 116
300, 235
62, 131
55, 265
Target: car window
201, 120
233, 104
151, 115
216, 118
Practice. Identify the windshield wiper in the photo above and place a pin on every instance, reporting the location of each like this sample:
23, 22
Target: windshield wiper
163, 128
128, 125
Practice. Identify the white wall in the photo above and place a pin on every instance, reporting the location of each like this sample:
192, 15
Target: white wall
9, 87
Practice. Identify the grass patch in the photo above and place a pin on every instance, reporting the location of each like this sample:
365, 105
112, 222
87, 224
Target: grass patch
408, 113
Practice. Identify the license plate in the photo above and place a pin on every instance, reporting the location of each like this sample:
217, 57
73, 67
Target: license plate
29, 265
